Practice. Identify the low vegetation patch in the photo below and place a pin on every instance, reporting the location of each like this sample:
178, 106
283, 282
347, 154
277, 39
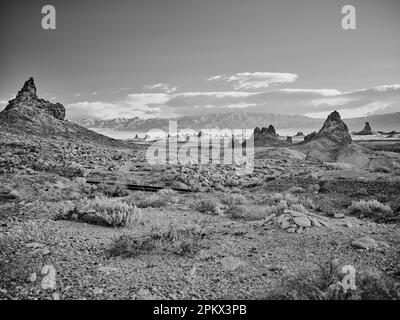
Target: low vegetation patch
157, 200
207, 205
326, 283
292, 200
103, 211
372, 209
248, 213
112, 190
176, 240
233, 199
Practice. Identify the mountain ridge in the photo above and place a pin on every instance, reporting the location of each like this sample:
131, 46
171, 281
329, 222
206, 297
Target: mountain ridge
241, 120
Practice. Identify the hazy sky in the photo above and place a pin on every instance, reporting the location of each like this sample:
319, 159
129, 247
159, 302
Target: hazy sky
149, 58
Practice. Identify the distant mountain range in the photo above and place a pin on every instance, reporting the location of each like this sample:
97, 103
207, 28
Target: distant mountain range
242, 120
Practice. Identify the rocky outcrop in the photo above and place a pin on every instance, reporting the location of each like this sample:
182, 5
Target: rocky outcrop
267, 136
367, 131
27, 114
334, 129
27, 96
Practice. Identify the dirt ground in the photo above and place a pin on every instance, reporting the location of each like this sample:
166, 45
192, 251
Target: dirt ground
250, 257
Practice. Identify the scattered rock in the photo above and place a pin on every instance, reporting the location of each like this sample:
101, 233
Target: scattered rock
302, 221
231, 263
34, 245
107, 270
365, 243
49, 281
97, 291
339, 216
56, 296
32, 278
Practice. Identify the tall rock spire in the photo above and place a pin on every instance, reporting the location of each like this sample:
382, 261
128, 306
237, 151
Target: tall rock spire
28, 91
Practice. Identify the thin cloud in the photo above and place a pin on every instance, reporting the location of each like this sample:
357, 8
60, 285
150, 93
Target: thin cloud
163, 87
311, 102
255, 80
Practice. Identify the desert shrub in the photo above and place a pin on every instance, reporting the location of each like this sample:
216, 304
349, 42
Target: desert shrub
279, 207
143, 200
296, 190
248, 213
298, 208
112, 190
371, 209
206, 205
233, 199
291, 200
382, 169
168, 194
103, 211
177, 240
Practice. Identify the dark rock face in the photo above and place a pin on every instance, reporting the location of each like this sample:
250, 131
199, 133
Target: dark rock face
27, 97
333, 129
367, 131
267, 136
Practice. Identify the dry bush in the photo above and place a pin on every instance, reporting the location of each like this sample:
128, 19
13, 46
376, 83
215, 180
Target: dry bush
103, 211
372, 209
112, 190
206, 205
382, 169
177, 240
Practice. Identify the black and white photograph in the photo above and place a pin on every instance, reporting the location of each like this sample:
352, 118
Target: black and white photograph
218, 151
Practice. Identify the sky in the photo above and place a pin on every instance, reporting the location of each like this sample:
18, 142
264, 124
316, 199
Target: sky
166, 58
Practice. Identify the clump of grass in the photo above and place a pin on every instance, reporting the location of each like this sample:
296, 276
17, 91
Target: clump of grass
103, 211
112, 190
233, 199
298, 208
153, 201
177, 240
206, 205
248, 213
292, 200
372, 209
326, 284
158, 200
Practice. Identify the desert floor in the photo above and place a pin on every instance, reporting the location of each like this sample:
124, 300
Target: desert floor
234, 237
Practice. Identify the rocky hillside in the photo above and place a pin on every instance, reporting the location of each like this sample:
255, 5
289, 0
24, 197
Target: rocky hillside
29, 115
